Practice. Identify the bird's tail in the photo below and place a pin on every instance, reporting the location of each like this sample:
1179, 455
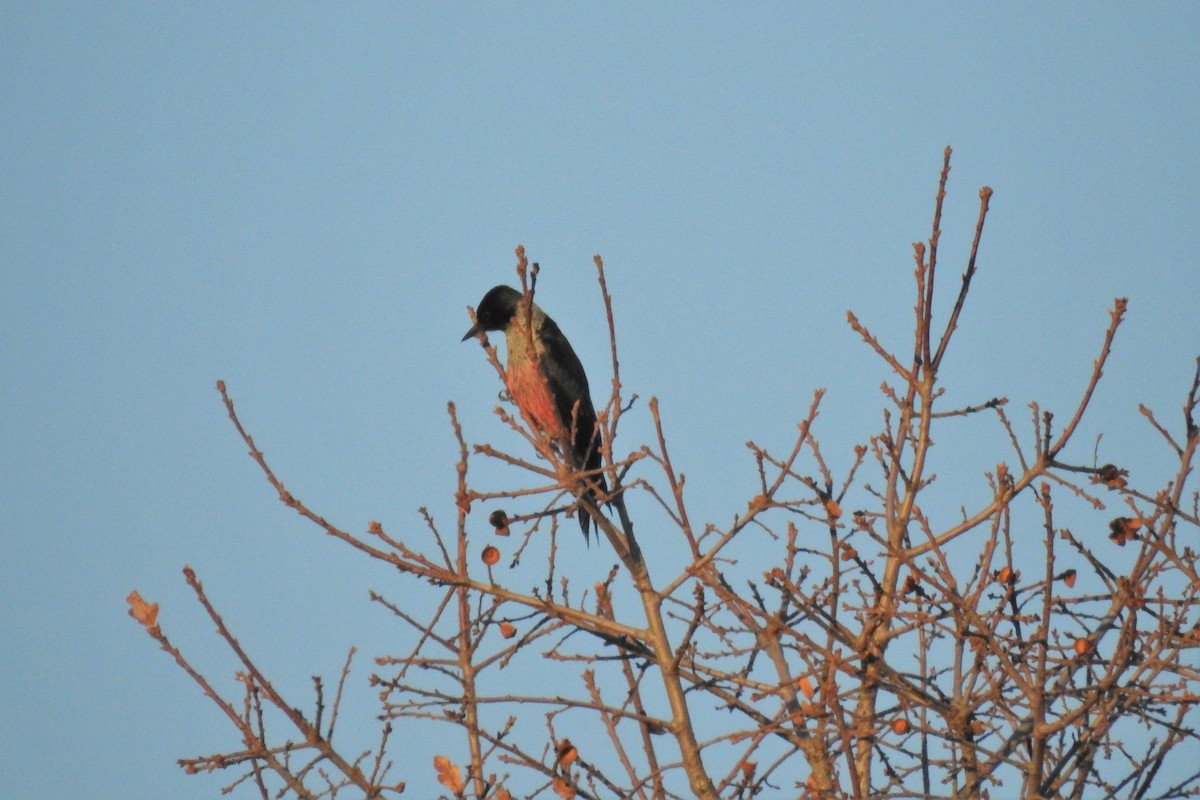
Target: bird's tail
589, 498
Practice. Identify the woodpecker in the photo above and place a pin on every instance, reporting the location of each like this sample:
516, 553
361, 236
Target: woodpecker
549, 386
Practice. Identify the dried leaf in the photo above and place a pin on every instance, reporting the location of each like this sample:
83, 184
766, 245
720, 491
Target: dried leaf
832, 508
1111, 476
145, 613
1124, 529
805, 686
448, 774
508, 630
912, 585
563, 789
499, 520
565, 753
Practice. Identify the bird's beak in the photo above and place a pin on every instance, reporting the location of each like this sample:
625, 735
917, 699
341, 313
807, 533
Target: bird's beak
475, 331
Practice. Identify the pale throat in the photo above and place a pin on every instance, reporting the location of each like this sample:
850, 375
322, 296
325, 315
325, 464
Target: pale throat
517, 337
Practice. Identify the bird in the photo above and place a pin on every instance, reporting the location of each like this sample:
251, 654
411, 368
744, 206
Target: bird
549, 386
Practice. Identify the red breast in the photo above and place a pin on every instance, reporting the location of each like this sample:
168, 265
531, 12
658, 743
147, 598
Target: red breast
529, 390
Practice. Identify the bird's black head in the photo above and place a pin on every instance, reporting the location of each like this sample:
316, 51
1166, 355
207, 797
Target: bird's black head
495, 310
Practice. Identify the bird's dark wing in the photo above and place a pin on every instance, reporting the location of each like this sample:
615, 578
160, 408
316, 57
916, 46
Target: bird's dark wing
568, 385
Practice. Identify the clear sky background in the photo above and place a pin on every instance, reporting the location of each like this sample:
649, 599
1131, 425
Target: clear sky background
303, 199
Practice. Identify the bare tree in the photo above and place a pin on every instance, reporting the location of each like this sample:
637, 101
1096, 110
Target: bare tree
893, 650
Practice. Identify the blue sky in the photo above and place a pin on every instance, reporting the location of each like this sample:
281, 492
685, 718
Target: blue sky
302, 200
